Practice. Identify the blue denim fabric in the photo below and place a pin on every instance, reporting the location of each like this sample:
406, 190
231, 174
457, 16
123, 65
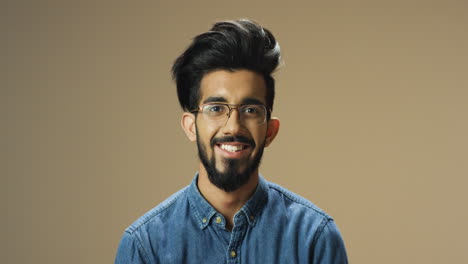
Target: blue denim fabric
274, 226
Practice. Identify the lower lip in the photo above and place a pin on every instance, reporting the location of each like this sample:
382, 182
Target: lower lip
232, 155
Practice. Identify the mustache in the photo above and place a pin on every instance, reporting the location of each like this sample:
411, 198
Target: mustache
240, 139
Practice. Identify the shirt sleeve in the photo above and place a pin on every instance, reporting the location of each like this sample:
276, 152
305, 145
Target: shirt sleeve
130, 251
329, 247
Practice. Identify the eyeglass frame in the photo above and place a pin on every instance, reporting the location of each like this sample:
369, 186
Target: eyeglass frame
230, 107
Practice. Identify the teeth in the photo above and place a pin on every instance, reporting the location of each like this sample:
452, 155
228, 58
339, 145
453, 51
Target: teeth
232, 148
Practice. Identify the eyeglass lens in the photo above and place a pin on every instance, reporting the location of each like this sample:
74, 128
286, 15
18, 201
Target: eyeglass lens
249, 114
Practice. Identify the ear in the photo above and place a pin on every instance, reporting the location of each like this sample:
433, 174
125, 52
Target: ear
273, 128
188, 125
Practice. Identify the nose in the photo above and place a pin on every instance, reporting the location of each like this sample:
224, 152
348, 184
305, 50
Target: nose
233, 123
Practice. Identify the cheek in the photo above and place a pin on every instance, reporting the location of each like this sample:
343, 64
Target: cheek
205, 133
259, 137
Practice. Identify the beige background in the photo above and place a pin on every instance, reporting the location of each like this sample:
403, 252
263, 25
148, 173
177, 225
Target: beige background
372, 98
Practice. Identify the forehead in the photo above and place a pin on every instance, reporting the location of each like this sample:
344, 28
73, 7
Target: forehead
233, 87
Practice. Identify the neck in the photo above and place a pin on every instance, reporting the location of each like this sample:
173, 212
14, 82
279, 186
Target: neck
226, 203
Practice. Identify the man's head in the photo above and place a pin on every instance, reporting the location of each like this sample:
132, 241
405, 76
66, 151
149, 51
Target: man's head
225, 87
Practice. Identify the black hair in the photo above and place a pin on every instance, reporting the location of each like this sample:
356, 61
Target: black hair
229, 45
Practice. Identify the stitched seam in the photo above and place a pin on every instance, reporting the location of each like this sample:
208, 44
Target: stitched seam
164, 207
196, 213
140, 247
298, 201
320, 229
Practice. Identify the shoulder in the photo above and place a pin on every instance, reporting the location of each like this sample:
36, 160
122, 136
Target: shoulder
307, 220
296, 203
160, 212
137, 240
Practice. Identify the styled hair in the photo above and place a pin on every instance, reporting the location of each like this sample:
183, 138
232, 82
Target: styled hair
229, 45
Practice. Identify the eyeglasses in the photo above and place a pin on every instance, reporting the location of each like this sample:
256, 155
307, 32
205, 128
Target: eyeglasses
219, 113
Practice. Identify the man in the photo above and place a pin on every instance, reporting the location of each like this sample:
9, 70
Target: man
229, 213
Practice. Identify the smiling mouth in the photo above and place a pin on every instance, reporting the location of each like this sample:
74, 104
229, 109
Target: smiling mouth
233, 148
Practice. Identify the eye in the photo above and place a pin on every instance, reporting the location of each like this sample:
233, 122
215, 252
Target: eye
214, 109
251, 109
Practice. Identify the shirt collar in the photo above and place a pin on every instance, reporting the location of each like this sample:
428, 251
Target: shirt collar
203, 211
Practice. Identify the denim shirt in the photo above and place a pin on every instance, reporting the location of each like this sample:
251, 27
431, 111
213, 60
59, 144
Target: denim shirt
274, 226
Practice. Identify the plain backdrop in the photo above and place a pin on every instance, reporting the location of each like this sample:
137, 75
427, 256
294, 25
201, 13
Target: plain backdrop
372, 96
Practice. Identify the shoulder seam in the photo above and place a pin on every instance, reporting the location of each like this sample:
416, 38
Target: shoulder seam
157, 210
298, 201
320, 229
139, 245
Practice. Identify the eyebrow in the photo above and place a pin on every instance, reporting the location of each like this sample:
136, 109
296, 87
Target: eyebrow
220, 99
250, 100
213, 99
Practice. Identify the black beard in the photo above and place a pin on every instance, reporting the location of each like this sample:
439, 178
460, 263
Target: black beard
231, 179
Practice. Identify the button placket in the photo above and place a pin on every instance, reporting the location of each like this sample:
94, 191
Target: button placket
237, 236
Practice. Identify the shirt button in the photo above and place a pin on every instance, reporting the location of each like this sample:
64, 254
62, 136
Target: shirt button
218, 220
233, 254
204, 220
252, 217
